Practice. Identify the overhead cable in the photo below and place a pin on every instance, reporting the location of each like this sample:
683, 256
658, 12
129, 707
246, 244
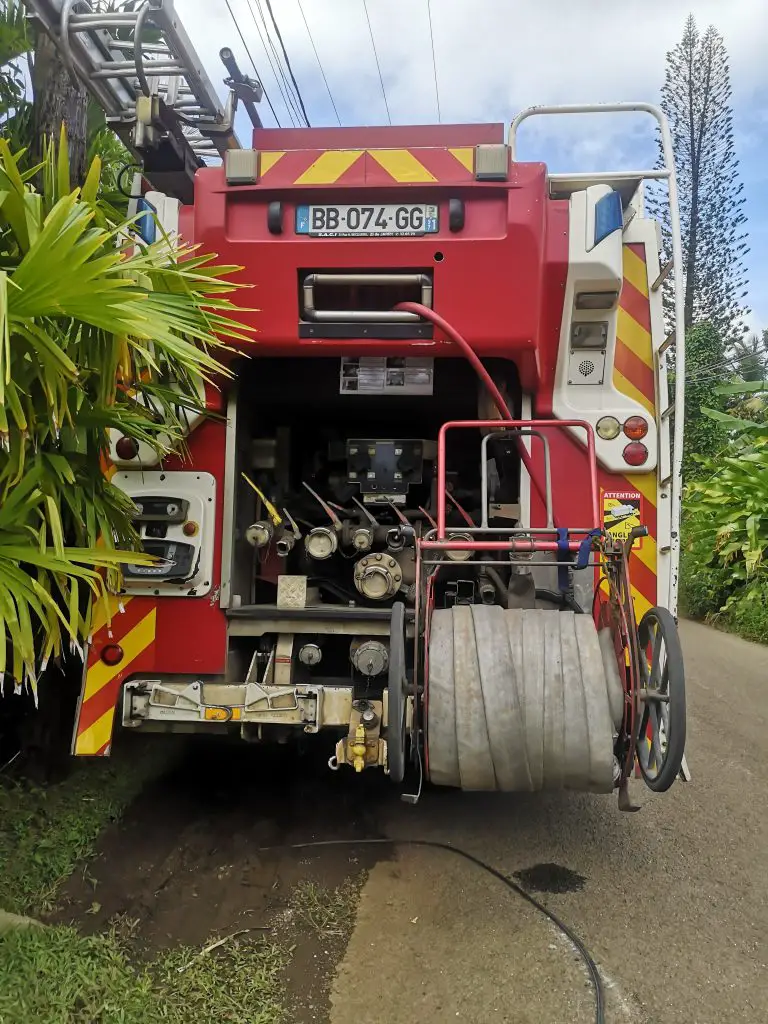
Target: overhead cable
319, 64
271, 60
376, 58
277, 63
434, 62
288, 62
253, 64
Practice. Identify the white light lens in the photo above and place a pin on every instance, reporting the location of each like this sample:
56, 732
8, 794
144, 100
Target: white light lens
608, 427
596, 300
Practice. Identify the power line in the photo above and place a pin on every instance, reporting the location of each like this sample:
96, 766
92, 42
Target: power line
277, 63
272, 63
250, 58
288, 63
376, 58
434, 62
319, 64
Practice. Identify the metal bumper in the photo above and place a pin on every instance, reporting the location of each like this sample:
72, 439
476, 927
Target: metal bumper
184, 704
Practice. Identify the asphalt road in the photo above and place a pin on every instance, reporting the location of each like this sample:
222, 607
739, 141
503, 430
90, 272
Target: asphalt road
671, 901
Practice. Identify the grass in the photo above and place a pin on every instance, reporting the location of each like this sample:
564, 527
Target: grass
56, 976
45, 833
326, 911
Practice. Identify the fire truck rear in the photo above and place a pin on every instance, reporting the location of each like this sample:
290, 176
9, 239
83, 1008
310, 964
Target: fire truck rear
434, 516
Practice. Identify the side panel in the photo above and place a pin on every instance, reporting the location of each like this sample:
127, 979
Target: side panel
161, 635
634, 376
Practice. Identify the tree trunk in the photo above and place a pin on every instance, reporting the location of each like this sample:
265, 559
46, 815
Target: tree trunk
59, 100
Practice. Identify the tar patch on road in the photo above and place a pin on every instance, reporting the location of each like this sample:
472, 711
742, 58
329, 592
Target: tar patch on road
550, 878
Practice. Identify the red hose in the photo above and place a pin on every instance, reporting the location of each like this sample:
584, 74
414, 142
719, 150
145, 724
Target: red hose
498, 399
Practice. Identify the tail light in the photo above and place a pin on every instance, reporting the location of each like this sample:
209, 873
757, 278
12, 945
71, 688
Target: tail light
636, 428
112, 654
635, 453
127, 448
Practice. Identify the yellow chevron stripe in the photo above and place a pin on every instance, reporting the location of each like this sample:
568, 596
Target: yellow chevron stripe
646, 552
629, 389
635, 337
268, 160
329, 167
635, 270
109, 603
95, 736
641, 603
133, 643
401, 164
465, 155
645, 483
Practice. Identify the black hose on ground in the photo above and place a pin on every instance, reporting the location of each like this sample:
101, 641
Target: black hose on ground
573, 938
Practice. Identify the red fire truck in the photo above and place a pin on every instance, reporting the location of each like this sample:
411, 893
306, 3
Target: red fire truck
434, 518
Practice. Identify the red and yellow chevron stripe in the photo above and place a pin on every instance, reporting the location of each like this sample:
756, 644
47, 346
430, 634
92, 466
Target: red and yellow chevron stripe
134, 630
367, 166
634, 376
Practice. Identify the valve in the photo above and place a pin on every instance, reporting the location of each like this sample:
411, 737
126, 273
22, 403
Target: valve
357, 749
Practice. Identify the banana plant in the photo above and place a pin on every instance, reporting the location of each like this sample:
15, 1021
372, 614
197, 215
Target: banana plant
727, 510
97, 332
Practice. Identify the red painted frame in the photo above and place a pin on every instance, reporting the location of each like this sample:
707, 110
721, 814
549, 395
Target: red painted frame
516, 545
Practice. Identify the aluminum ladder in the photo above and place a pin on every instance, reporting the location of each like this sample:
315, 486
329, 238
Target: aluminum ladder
140, 66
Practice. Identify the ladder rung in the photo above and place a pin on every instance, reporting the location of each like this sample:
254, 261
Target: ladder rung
665, 549
665, 482
667, 343
668, 411
665, 271
91, 22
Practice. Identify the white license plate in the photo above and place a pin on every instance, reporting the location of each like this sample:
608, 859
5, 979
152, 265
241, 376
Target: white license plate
383, 220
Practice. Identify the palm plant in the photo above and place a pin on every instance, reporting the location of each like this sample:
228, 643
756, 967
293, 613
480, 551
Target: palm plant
94, 334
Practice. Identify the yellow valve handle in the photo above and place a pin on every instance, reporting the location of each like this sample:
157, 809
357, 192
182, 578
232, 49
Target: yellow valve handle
274, 515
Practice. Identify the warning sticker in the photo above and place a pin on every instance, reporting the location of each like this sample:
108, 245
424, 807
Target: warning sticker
622, 510
386, 375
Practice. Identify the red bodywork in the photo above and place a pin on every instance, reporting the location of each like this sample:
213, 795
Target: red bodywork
500, 280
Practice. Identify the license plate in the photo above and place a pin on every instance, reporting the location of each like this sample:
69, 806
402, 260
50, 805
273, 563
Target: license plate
387, 220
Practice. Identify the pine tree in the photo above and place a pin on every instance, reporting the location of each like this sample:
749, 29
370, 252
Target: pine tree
696, 97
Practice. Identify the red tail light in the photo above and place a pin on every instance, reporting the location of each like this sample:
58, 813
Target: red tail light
112, 654
127, 448
635, 453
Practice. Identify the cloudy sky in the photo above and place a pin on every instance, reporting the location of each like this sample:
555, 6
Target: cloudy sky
495, 57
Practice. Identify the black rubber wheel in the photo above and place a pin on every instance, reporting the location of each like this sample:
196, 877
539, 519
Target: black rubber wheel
396, 691
661, 729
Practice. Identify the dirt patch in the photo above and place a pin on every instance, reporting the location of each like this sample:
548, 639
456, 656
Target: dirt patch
187, 862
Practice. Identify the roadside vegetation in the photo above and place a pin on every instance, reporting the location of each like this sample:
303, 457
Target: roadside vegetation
724, 574
725, 456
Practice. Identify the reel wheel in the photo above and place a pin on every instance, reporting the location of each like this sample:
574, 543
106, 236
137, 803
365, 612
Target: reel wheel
397, 687
661, 696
